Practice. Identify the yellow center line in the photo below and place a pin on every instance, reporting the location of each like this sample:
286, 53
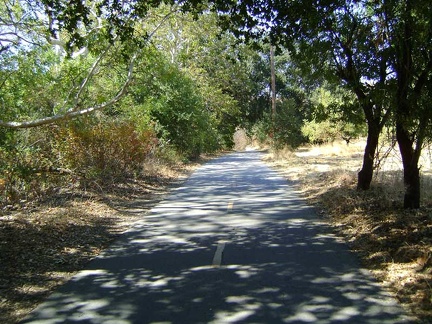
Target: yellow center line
217, 259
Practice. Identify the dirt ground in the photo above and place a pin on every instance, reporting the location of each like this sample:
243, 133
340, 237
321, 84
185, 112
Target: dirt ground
43, 244
395, 244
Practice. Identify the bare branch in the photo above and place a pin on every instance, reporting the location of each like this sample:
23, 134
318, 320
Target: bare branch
73, 112
90, 75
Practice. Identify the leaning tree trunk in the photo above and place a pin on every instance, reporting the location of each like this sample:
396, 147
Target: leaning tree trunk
365, 175
410, 166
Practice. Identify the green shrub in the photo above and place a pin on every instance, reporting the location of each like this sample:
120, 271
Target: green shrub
282, 130
319, 132
328, 131
173, 102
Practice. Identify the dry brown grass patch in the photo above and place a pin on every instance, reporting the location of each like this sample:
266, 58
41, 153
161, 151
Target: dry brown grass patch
42, 245
395, 244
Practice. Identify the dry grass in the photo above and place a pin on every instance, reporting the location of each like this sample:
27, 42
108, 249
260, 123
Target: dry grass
43, 244
395, 244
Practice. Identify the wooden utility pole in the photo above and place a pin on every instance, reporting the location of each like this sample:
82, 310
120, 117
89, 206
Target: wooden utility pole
273, 82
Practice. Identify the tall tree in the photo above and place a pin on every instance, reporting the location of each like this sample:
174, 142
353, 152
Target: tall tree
214, 60
273, 81
408, 25
81, 43
337, 39
381, 50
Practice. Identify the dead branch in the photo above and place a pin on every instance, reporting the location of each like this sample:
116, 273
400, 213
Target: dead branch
75, 111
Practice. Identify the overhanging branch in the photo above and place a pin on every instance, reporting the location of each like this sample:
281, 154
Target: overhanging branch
73, 112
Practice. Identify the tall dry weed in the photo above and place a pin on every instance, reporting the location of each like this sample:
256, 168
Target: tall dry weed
110, 148
285, 153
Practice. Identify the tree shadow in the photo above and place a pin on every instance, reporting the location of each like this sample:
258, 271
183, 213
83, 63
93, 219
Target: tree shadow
390, 239
32, 254
280, 263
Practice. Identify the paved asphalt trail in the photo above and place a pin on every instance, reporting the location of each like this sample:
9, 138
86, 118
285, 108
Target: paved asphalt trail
234, 244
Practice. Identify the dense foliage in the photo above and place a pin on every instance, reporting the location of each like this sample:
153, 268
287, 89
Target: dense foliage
170, 110
192, 83
379, 50
188, 87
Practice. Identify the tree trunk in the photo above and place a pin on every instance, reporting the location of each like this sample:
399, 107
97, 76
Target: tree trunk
365, 175
412, 187
411, 169
273, 82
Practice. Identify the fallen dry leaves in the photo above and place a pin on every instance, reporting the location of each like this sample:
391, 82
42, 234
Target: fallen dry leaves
43, 244
395, 244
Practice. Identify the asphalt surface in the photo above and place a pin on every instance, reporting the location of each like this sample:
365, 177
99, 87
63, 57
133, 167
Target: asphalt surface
234, 244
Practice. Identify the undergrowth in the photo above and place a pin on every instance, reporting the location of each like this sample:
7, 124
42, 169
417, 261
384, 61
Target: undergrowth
37, 163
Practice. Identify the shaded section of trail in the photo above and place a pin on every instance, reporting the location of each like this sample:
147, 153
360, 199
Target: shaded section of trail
280, 264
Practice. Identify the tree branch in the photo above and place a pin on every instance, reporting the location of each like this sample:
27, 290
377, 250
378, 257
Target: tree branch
73, 112
90, 75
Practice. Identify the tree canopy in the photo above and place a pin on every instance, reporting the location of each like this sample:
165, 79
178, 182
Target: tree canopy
380, 51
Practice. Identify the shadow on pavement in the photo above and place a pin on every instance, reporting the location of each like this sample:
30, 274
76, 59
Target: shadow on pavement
280, 263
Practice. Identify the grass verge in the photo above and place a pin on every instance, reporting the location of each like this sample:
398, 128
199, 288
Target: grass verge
43, 244
393, 243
